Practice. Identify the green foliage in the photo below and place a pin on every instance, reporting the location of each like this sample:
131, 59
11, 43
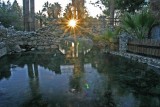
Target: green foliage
121, 5
81, 12
41, 17
139, 24
129, 5
11, 15
68, 13
108, 36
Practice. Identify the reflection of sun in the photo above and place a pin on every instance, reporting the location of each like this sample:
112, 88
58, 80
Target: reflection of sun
72, 23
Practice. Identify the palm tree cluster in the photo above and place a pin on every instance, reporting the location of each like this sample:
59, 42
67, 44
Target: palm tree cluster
48, 13
53, 10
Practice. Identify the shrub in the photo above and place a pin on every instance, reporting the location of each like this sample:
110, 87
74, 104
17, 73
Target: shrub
138, 24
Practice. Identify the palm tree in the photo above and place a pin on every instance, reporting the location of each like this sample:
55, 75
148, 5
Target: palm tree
78, 7
47, 8
40, 16
139, 24
32, 15
68, 12
53, 10
112, 11
29, 16
57, 9
26, 14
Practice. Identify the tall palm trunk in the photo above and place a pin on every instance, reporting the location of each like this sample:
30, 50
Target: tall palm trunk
29, 15
112, 11
74, 8
32, 12
77, 7
26, 14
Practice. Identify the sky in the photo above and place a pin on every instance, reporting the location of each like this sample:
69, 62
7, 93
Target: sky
93, 11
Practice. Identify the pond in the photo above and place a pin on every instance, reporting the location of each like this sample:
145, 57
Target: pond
71, 78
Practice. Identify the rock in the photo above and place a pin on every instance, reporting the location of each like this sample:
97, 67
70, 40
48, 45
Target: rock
123, 40
23, 50
17, 48
3, 31
2, 45
3, 51
32, 49
13, 48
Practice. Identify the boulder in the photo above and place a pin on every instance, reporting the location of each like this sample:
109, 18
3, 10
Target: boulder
12, 47
3, 31
3, 49
2, 45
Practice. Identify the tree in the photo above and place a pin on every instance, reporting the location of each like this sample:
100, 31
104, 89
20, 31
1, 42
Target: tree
16, 12
139, 24
11, 15
41, 17
78, 8
113, 7
53, 10
57, 9
47, 8
68, 13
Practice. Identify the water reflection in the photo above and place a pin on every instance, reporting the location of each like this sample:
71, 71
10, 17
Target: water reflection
51, 79
34, 87
73, 47
5, 69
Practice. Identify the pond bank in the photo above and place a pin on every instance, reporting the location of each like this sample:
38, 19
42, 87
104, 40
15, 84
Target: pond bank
150, 61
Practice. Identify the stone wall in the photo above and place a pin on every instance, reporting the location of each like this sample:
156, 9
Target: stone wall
17, 41
38, 42
150, 61
123, 40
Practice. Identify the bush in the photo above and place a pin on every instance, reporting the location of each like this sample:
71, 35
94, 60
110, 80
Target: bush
138, 25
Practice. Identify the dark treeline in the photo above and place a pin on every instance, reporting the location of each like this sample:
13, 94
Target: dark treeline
11, 14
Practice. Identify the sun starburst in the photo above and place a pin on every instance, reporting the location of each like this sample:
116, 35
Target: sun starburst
72, 23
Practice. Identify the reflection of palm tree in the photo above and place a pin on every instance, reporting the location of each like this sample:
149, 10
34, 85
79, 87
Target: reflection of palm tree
36, 100
5, 73
32, 73
75, 81
5, 69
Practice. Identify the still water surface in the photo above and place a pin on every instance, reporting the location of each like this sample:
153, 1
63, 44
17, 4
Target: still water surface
89, 79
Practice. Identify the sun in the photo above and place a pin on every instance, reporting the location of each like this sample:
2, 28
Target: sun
72, 23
